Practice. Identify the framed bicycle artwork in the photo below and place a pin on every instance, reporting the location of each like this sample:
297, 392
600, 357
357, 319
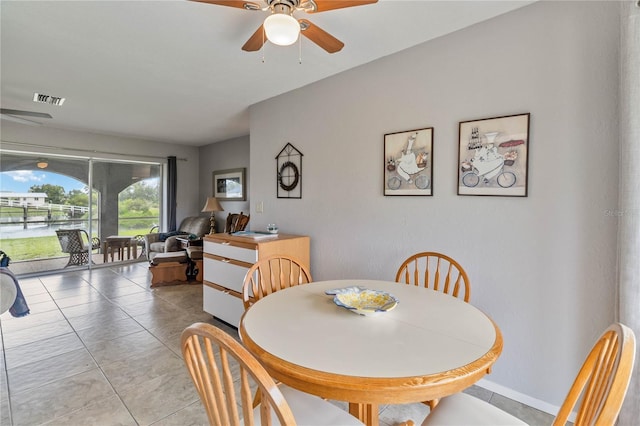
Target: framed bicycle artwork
493, 156
408, 162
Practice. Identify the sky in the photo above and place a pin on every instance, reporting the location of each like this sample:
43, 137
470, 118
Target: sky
22, 180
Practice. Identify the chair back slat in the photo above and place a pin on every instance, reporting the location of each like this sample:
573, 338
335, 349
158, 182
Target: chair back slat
273, 274
211, 373
447, 281
600, 381
456, 287
436, 271
436, 277
601, 384
231, 408
246, 398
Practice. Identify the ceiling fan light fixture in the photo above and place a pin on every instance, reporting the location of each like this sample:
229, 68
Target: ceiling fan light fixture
281, 29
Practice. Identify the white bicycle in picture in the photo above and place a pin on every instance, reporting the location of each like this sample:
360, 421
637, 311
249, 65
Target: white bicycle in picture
487, 163
408, 167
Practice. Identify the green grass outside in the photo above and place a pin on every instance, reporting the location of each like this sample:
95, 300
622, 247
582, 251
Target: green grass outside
20, 249
31, 248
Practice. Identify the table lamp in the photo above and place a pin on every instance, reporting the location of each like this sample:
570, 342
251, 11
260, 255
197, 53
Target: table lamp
212, 205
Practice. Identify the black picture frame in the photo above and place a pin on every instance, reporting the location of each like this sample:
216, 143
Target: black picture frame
230, 184
493, 156
408, 162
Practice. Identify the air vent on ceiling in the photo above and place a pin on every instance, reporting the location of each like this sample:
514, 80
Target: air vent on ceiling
47, 99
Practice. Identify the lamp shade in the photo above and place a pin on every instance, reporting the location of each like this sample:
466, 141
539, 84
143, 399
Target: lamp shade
212, 205
281, 29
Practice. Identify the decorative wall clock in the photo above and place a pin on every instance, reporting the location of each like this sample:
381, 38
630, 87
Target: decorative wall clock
289, 172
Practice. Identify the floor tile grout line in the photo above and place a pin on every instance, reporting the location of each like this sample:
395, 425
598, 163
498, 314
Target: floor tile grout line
6, 374
159, 340
165, 297
99, 366
89, 352
143, 327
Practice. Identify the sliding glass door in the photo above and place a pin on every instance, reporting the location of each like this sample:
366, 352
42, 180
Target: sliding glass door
62, 212
129, 206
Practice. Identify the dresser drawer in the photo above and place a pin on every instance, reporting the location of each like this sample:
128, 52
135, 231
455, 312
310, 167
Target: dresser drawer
222, 305
230, 251
224, 273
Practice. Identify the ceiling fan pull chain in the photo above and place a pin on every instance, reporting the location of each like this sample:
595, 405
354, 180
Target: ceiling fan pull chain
300, 49
263, 43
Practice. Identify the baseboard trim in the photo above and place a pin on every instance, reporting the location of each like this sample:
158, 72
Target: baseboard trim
522, 398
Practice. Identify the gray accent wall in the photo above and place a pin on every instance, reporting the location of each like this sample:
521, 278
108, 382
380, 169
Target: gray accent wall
543, 267
229, 154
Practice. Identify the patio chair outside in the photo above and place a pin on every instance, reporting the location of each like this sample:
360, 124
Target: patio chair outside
77, 244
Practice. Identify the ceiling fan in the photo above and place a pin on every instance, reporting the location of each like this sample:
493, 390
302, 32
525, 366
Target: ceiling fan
283, 29
16, 115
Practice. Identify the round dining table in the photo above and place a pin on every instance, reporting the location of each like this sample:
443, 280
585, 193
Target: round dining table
429, 346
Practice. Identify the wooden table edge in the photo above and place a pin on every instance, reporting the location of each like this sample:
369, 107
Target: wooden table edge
371, 390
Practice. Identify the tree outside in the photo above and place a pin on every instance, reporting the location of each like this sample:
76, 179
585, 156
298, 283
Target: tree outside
138, 211
55, 193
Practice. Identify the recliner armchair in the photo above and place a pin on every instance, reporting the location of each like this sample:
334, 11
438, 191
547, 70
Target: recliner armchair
163, 242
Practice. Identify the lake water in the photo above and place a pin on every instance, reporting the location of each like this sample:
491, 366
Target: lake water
36, 230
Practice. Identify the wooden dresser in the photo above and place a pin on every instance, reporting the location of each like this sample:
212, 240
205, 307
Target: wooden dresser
226, 261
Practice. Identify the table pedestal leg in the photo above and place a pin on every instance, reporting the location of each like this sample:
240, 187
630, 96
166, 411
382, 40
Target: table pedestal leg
366, 413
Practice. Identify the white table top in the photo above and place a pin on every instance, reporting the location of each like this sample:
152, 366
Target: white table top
427, 333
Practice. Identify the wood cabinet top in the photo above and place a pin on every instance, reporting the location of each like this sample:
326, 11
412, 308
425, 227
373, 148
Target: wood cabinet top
222, 237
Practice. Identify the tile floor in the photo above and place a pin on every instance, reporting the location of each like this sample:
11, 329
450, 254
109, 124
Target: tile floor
58, 264
102, 348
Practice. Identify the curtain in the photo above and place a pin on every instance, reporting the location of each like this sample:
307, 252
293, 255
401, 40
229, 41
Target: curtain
629, 194
172, 183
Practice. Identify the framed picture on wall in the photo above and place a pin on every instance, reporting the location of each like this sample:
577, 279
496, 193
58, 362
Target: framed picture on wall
408, 162
493, 156
230, 185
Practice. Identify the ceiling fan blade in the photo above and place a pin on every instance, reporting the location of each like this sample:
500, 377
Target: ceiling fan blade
320, 37
25, 113
242, 4
256, 41
324, 5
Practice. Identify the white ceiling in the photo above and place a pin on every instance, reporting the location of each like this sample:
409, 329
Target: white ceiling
173, 71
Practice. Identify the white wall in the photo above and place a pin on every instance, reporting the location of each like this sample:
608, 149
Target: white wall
229, 154
543, 266
58, 140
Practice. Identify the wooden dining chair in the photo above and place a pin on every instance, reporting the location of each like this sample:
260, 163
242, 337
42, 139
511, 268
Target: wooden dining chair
436, 271
236, 222
597, 392
224, 373
272, 274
